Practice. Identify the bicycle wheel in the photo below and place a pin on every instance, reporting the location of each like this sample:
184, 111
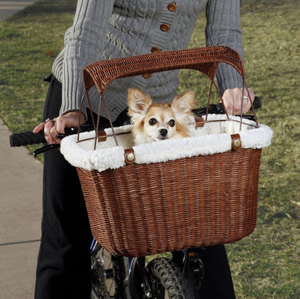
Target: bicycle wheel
167, 280
107, 275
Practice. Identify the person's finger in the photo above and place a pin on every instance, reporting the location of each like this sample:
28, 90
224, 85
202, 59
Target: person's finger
47, 128
72, 119
248, 97
236, 100
53, 132
246, 104
38, 128
228, 103
62, 122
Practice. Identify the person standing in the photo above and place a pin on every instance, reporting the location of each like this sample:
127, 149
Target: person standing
107, 29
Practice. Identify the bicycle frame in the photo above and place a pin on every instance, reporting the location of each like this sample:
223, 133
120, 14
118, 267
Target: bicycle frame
137, 284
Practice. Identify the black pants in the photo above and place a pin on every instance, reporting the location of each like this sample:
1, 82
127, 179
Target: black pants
217, 282
63, 269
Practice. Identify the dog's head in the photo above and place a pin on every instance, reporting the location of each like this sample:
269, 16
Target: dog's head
154, 121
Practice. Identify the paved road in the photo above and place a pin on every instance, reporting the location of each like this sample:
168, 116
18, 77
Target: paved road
20, 202
8, 8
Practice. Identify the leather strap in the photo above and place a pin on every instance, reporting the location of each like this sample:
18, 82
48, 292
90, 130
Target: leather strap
129, 156
199, 122
236, 143
101, 136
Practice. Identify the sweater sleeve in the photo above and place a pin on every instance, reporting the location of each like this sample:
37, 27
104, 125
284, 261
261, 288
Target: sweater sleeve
83, 45
223, 29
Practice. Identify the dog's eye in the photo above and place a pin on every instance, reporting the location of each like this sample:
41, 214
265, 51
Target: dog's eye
152, 121
171, 122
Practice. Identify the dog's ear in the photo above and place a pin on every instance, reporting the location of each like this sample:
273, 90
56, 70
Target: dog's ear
184, 103
138, 102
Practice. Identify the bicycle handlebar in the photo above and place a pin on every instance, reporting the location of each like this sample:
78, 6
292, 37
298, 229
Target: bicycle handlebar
219, 109
27, 138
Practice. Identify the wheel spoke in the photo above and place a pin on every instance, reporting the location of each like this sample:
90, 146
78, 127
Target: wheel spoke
110, 274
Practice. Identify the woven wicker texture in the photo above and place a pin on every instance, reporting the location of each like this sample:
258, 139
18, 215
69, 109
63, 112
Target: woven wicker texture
139, 210
144, 209
205, 60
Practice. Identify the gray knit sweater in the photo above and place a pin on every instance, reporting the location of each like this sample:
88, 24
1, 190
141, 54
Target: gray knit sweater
106, 29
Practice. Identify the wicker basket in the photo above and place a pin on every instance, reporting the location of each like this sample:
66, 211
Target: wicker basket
143, 207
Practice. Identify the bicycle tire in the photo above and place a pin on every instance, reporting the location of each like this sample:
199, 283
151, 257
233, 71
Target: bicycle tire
107, 275
165, 276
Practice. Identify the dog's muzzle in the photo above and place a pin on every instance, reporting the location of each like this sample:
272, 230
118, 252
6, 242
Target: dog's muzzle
163, 132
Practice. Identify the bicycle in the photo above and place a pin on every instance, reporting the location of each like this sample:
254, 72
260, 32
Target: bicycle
178, 276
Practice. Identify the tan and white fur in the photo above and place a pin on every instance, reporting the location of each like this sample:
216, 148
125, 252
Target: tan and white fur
155, 121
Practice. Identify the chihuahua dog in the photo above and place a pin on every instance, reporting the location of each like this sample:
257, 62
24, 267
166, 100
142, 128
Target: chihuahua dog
156, 122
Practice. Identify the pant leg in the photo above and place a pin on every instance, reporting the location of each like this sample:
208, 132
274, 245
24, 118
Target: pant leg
63, 269
217, 282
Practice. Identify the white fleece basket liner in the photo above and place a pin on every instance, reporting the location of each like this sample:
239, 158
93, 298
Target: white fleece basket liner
214, 137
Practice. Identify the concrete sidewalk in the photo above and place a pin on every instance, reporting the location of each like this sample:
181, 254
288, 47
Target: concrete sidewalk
10, 7
20, 206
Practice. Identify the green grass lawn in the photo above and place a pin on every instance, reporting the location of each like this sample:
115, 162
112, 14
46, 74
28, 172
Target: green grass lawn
265, 264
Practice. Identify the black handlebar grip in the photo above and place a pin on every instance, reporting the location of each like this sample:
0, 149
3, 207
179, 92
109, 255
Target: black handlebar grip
257, 103
26, 138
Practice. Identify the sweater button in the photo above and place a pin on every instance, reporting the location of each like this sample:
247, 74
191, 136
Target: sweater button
147, 75
172, 7
155, 49
164, 27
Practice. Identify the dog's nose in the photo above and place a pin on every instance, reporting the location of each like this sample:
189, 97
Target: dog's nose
163, 132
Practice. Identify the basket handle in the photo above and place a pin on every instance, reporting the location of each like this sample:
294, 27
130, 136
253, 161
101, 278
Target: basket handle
205, 60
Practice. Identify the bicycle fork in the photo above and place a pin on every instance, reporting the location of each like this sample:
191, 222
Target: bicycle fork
138, 285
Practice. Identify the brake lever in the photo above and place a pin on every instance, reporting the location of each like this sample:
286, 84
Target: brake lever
45, 149
68, 131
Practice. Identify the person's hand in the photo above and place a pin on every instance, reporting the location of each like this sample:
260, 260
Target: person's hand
57, 125
232, 99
